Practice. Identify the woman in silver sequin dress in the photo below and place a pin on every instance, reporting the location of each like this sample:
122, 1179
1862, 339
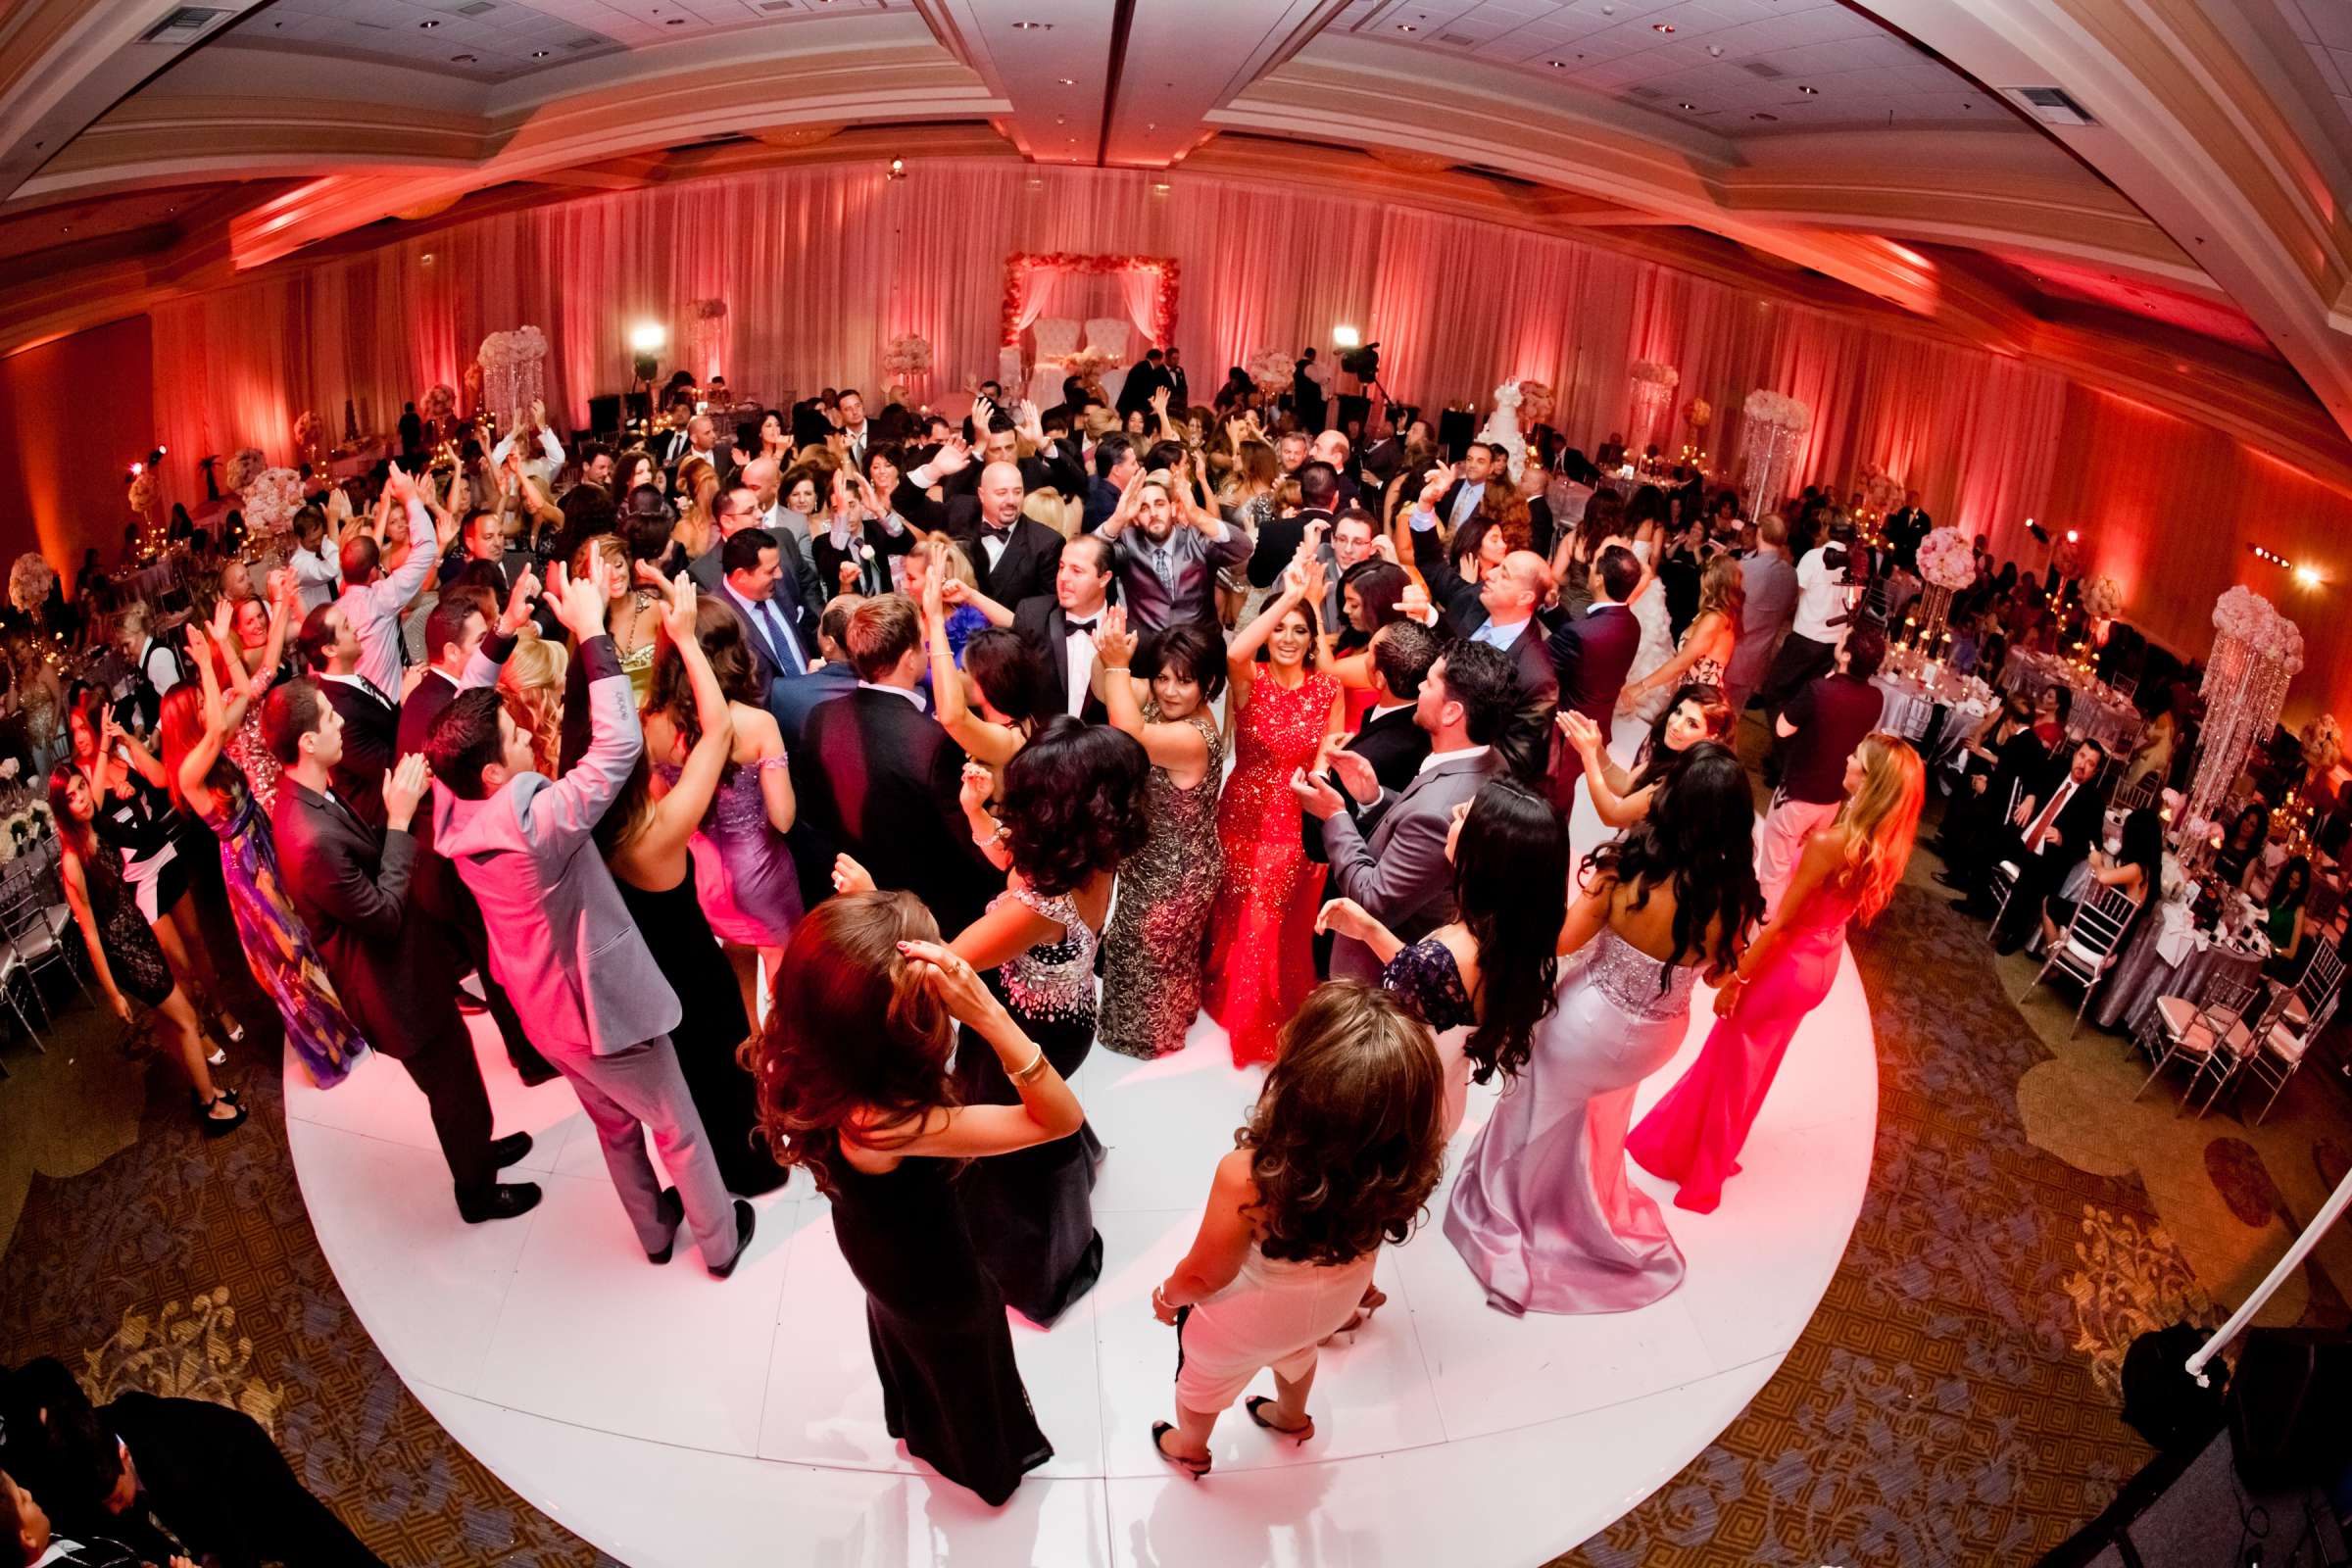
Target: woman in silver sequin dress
1153, 952
1072, 809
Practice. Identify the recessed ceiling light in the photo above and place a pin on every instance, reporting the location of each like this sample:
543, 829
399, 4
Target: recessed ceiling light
538, 54
1033, 27
1716, 49
675, 22
1694, 108
1407, 27
1061, 120
1558, 65
1810, 92
1067, 82
1661, 26
428, 23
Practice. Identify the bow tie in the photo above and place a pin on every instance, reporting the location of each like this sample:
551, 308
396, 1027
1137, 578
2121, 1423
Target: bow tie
1078, 628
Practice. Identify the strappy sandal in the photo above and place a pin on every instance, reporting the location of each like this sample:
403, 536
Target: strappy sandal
217, 1126
1374, 1300
1196, 1468
1257, 1404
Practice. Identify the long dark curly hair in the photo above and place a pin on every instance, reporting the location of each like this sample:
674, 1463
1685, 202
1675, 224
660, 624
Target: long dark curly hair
1700, 840
1346, 1139
855, 1046
719, 629
1073, 803
1510, 883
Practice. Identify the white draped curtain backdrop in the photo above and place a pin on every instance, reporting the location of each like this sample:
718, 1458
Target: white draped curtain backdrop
821, 267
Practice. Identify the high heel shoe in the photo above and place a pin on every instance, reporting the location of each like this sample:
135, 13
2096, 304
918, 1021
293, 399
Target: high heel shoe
217, 1126
1196, 1468
1257, 1407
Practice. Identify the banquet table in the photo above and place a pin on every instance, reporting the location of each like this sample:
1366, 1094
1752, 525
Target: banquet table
2100, 712
2167, 956
1913, 696
355, 462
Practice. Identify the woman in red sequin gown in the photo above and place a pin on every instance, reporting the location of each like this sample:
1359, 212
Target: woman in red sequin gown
1286, 711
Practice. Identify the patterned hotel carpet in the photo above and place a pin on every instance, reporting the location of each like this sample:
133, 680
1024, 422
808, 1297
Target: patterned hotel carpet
1953, 1402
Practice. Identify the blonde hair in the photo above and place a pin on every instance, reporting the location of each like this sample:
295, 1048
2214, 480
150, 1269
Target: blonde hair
1879, 820
531, 687
1722, 587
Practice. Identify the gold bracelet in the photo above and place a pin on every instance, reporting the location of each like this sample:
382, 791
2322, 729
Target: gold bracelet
1035, 1065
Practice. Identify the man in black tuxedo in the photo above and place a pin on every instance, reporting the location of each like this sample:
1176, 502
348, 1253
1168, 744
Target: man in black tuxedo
1278, 538
1505, 608
327, 649
466, 650
1013, 558
1180, 388
1142, 381
1906, 527
394, 967
170, 1479
2050, 832
879, 780
1060, 625
1056, 464
1591, 656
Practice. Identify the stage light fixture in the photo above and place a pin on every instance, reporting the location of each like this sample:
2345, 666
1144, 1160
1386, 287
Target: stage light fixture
1346, 337
649, 337
2307, 576
2073, 538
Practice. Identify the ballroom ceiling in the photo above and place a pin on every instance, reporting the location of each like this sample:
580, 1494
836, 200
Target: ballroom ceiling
2177, 191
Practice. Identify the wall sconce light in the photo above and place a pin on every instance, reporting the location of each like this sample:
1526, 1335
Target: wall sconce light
898, 169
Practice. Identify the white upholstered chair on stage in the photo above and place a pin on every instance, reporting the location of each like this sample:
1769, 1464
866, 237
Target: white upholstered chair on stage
1056, 340
1112, 335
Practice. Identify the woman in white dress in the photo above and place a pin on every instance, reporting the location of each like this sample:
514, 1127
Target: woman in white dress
1707, 642
1544, 1211
1342, 1152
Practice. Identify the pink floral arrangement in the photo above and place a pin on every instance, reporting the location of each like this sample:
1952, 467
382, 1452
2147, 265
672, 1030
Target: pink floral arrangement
2254, 621
439, 402
1947, 558
244, 466
142, 492
907, 355
29, 580
1699, 414
272, 501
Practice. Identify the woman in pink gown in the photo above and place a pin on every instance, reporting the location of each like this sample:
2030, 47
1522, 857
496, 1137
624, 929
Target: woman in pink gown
1848, 868
1286, 711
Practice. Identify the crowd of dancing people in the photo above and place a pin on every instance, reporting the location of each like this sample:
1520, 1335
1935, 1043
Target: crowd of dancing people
817, 794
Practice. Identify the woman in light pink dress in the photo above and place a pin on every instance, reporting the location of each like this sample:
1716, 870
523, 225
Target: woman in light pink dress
1848, 868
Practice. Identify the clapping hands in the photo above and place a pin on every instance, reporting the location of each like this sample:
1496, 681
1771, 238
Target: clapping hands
1114, 644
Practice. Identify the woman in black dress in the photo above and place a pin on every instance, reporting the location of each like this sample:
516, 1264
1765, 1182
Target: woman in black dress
1072, 809
854, 1084
646, 843
125, 955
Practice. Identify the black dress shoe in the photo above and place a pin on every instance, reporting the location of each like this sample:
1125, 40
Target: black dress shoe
744, 1221
505, 1199
506, 1151
674, 1215
1953, 882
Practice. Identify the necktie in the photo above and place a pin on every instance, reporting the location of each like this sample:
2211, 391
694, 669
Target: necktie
2049, 815
787, 645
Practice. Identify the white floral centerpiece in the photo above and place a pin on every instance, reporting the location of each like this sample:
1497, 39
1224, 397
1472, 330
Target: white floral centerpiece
2102, 598
1271, 369
1779, 410
272, 501
1699, 414
2323, 743
1654, 373
2256, 653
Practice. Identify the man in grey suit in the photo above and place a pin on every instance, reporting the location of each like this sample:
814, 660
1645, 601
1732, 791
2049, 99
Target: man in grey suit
1770, 578
567, 950
1399, 875
1171, 551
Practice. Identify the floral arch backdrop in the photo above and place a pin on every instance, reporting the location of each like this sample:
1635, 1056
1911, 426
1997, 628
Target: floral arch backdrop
1147, 283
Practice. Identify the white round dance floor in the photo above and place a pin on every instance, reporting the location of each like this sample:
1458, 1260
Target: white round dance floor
678, 1422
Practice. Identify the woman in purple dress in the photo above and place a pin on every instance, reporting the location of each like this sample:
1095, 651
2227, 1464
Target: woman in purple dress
1847, 870
1543, 1212
743, 871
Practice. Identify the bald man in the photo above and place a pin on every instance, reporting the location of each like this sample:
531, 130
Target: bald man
1331, 446
1013, 558
1506, 610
